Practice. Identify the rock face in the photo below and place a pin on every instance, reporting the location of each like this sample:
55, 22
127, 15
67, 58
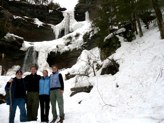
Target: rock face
91, 6
90, 41
64, 60
80, 10
19, 20
26, 28
5, 20
34, 11
10, 53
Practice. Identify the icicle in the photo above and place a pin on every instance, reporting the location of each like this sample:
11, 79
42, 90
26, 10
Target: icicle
67, 23
87, 16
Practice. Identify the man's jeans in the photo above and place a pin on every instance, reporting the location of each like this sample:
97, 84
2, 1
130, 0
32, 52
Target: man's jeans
20, 102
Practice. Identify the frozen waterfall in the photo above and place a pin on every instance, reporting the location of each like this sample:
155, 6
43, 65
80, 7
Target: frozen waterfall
30, 59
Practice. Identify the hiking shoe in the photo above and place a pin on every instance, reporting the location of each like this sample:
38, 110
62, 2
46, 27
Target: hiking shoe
53, 121
60, 121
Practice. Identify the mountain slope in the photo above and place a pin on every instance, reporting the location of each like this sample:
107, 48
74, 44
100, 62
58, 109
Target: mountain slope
138, 96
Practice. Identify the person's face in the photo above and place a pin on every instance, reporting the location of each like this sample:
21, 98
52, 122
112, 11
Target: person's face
33, 70
45, 73
19, 75
54, 69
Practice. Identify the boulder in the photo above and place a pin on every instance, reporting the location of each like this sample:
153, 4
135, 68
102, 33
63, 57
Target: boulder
76, 90
112, 68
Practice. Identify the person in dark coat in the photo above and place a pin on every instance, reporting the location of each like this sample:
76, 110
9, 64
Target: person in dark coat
44, 96
32, 86
16, 96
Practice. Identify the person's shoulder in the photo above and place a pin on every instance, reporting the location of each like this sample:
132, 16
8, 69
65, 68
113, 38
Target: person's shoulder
14, 79
27, 76
60, 74
39, 76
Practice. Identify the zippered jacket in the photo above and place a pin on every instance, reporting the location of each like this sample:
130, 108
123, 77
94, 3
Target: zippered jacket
56, 81
44, 86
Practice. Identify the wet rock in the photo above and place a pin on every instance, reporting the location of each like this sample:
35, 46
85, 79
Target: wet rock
112, 68
5, 20
10, 53
64, 60
76, 90
26, 28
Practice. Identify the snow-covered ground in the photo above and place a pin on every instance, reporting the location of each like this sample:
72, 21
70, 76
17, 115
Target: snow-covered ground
139, 97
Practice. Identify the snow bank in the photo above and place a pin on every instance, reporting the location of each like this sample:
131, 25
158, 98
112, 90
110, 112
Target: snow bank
139, 97
3, 81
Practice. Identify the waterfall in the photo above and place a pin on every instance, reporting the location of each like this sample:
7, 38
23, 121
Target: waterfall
30, 59
67, 23
87, 16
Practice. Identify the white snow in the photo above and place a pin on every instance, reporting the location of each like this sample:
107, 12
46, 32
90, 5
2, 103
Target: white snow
38, 22
3, 80
11, 72
13, 36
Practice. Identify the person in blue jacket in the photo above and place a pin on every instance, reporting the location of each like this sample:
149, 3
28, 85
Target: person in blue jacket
44, 96
16, 96
56, 94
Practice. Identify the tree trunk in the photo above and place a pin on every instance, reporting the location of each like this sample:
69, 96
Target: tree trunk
134, 24
159, 17
139, 26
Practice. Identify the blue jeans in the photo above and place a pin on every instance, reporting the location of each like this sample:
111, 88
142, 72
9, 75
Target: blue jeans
20, 102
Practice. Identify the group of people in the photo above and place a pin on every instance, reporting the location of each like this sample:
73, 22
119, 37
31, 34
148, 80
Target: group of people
34, 89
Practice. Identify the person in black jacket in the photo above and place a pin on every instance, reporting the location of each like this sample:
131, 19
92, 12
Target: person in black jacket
32, 86
16, 91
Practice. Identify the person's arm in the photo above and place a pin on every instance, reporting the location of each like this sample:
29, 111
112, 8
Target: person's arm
61, 82
26, 82
7, 87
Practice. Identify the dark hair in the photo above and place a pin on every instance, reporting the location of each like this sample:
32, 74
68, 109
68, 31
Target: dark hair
19, 71
34, 66
54, 65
